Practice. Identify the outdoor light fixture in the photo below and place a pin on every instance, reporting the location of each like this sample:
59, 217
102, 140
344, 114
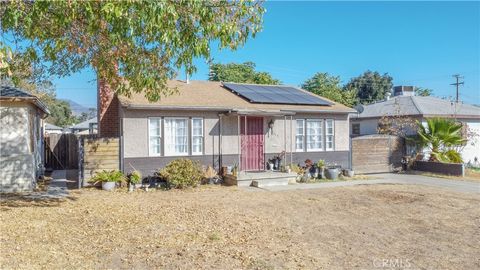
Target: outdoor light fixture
270, 126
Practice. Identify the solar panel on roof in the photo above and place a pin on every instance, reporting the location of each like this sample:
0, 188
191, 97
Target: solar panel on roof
275, 94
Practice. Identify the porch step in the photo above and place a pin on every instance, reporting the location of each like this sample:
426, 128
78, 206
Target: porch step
264, 179
270, 182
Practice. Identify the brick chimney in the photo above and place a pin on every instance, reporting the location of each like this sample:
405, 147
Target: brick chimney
107, 113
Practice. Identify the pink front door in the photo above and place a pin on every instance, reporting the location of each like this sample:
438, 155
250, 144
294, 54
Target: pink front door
252, 142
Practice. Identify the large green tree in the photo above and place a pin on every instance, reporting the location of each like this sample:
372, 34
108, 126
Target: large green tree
135, 46
370, 86
326, 85
240, 73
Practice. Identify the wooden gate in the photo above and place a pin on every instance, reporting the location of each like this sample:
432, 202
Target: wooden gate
61, 151
252, 142
377, 153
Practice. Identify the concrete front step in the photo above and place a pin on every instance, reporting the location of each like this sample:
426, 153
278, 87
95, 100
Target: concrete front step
270, 182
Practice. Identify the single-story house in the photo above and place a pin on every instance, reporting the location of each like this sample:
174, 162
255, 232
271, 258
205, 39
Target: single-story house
52, 129
21, 139
404, 103
225, 124
86, 127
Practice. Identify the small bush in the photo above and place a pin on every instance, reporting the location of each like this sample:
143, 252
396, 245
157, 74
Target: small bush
181, 173
135, 177
108, 176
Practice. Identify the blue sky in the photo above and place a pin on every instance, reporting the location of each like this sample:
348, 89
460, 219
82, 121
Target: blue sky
417, 43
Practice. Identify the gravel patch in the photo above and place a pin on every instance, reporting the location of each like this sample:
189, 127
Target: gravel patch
229, 228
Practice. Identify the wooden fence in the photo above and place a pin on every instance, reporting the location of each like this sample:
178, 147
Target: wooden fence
377, 153
100, 154
61, 151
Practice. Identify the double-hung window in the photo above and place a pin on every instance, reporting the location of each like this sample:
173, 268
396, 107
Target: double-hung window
176, 136
197, 136
300, 135
329, 135
314, 135
155, 135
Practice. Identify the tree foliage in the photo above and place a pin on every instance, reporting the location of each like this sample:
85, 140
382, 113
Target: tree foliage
328, 86
135, 46
240, 73
371, 86
423, 92
442, 136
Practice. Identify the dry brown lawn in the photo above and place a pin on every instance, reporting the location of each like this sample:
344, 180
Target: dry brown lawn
227, 228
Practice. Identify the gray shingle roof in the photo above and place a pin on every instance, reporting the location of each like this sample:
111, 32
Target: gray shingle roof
419, 106
49, 126
9, 91
85, 124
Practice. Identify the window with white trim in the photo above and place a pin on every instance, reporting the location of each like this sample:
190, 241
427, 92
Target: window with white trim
176, 136
329, 135
197, 136
154, 136
300, 135
314, 135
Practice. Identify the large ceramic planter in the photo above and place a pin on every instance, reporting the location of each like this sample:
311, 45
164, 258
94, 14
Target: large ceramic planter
108, 185
331, 174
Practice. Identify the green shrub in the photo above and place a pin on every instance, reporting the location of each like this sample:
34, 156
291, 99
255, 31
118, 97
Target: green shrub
108, 176
181, 173
135, 177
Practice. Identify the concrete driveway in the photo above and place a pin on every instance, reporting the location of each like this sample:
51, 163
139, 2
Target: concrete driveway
390, 178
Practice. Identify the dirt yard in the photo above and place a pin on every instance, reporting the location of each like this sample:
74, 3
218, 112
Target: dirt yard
358, 227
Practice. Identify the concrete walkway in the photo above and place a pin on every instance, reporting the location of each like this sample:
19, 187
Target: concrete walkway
390, 178
58, 185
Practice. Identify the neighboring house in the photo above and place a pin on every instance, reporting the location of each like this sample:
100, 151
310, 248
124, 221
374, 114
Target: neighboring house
21, 139
225, 124
406, 104
52, 129
86, 127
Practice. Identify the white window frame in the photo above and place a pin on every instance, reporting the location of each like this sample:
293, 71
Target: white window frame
150, 152
322, 137
166, 153
332, 135
202, 144
303, 135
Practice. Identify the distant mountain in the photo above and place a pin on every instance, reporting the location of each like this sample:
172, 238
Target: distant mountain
77, 109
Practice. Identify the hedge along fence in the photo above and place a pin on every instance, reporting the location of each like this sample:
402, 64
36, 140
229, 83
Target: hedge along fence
455, 169
100, 154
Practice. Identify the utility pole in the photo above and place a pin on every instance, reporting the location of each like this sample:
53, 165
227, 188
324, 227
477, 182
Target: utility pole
457, 84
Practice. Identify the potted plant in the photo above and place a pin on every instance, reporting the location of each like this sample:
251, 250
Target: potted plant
235, 170
134, 178
309, 168
109, 179
348, 172
321, 168
332, 172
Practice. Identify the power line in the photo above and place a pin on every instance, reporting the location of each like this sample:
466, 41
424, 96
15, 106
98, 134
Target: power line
457, 84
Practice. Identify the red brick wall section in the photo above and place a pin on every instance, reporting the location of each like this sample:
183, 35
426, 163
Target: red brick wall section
108, 118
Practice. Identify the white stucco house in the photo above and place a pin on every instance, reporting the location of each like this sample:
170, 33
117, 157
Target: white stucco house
21, 139
405, 103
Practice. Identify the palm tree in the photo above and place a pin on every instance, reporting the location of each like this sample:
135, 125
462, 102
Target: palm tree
442, 136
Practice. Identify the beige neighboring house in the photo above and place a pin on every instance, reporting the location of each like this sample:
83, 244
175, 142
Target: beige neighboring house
226, 124
21, 139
